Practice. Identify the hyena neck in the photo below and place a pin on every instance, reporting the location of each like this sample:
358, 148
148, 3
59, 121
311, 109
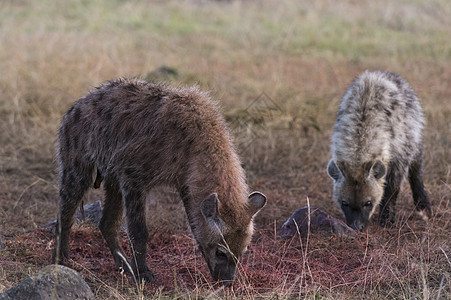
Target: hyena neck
225, 178
233, 200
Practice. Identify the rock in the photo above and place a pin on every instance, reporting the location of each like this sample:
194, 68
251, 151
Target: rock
319, 222
163, 73
53, 282
90, 212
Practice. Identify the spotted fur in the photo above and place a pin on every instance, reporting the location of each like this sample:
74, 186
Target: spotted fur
136, 135
376, 143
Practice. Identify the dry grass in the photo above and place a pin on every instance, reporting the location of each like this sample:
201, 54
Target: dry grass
285, 62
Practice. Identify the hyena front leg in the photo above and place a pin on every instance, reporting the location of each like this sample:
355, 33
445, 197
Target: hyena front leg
420, 197
74, 182
392, 187
138, 233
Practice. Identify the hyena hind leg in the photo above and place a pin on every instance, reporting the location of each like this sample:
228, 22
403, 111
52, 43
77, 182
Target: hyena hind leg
74, 183
392, 187
138, 234
420, 197
110, 223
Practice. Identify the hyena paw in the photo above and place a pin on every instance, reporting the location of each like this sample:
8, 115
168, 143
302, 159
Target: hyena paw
425, 213
387, 221
146, 276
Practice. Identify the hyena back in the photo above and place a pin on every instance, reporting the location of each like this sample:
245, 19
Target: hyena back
376, 143
137, 135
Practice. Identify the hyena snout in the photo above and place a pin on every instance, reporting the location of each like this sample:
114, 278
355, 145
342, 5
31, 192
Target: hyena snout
222, 266
221, 263
223, 243
357, 219
357, 213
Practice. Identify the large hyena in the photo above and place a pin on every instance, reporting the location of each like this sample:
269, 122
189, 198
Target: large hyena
137, 135
377, 142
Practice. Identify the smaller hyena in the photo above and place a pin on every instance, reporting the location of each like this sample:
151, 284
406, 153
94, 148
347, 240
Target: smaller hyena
376, 143
137, 135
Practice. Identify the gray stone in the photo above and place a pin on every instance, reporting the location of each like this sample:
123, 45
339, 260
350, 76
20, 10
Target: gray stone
320, 222
2, 245
90, 212
53, 282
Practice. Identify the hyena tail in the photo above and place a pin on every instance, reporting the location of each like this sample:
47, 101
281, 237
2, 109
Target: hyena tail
99, 179
75, 180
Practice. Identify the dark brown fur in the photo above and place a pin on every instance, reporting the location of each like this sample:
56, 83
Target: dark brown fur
138, 135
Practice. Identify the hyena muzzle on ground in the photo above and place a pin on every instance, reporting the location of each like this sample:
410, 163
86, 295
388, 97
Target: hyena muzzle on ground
137, 135
376, 143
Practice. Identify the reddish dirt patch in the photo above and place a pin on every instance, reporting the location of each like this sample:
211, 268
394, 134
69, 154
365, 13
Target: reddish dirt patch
270, 265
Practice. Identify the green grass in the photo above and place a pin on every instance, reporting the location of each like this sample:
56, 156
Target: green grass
402, 29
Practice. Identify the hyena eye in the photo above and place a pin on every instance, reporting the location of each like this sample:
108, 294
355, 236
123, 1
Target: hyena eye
368, 204
344, 203
220, 254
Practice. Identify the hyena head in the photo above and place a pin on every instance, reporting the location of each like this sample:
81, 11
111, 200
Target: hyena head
222, 240
357, 192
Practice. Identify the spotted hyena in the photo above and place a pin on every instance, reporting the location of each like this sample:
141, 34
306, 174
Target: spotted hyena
136, 135
376, 143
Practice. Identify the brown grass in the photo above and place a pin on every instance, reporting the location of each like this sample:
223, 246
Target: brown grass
286, 65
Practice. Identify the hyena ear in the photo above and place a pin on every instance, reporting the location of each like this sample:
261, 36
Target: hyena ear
376, 168
333, 171
209, 208
256, 200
